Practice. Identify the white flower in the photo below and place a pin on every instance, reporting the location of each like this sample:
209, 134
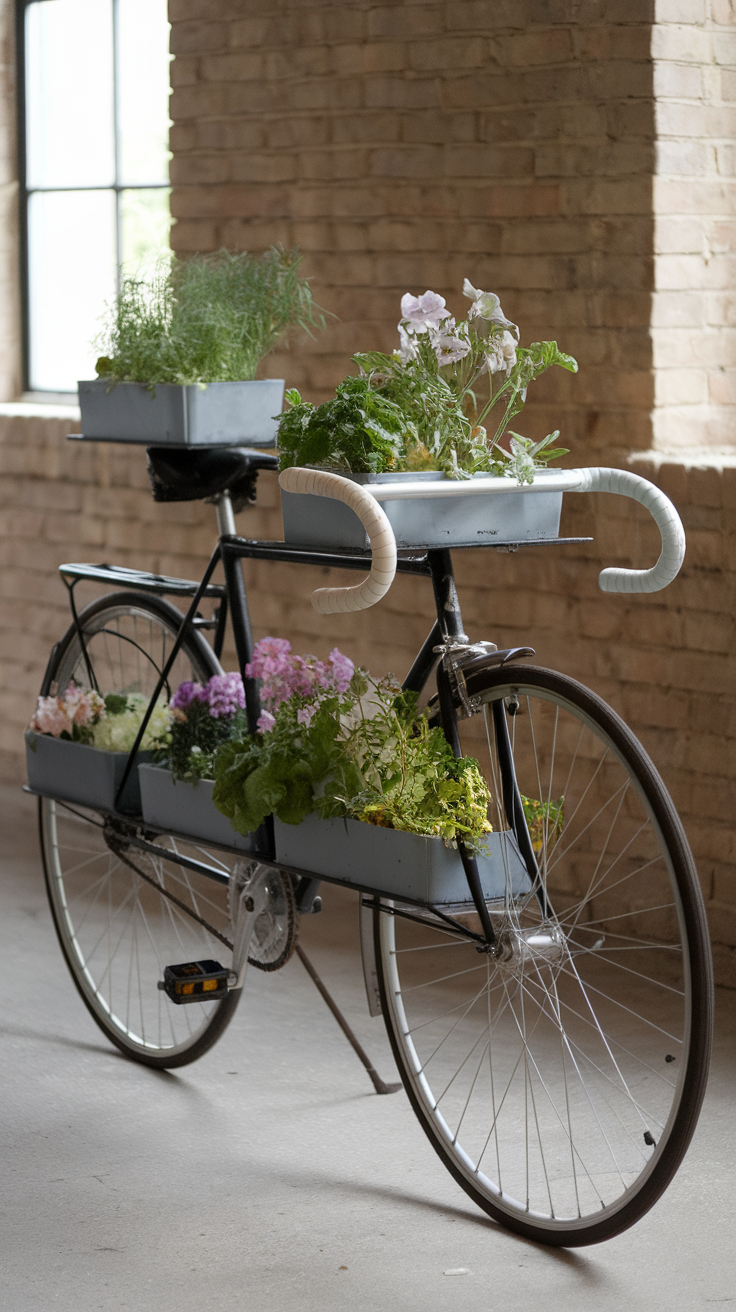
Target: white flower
423, 312
501, 353
486, 305
451, 345
408, 349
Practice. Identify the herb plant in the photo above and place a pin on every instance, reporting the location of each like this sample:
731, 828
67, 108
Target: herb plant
205, 319
444, 380
338, 743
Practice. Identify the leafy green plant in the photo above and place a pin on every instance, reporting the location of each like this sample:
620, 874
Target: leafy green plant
205, 319
361, 430
544, 820
434, 382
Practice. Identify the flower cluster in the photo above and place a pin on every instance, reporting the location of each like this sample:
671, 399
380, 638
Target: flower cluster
110, 723
223, 695
58, 716
282, 675
486, 331
203, 716
339, 743
117, 732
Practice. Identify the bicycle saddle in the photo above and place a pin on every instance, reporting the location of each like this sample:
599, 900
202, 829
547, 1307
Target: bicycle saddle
198, 473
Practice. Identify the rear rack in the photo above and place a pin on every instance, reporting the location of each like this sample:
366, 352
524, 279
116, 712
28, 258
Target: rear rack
140, 579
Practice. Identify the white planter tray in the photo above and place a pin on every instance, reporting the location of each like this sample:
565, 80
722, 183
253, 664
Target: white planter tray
73, 772
185, 808
398, 864
439, 521
221, 414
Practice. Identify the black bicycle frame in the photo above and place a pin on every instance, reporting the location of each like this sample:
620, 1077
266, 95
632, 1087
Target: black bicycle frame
435, 565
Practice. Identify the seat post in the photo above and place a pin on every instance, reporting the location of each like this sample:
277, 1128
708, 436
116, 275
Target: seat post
225, 516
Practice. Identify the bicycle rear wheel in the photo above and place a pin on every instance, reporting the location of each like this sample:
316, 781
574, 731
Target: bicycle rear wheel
122, 914
560, 1079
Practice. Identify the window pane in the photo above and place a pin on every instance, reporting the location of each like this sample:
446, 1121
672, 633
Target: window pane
72, 261
145, 220
143, 91
69, 93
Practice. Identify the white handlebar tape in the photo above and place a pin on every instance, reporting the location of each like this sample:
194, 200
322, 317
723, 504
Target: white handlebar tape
625, 484
332, 601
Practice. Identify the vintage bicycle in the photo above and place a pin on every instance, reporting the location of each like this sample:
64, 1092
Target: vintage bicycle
549, 1004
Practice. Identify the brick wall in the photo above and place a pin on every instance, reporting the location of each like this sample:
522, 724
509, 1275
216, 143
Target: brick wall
406, 145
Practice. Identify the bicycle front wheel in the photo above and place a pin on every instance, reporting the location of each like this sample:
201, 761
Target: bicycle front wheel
560, 1077
121, 914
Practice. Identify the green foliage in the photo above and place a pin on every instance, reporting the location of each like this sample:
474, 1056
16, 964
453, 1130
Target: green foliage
206, 319
361, 430
367, 754
544, 820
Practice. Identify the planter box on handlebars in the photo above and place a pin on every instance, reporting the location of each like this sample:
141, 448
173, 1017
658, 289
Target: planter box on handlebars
467, 521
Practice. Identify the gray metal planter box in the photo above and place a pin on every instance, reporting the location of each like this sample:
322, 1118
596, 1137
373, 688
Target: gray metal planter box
89, 776
398, 864
437, 522
184, 808
221, 414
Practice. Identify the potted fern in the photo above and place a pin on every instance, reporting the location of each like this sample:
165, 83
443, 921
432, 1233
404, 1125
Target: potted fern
180, 350
424, 414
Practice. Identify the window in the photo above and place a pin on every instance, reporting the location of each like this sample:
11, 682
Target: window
94, 142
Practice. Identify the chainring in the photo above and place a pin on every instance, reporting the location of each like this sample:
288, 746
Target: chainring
276, 928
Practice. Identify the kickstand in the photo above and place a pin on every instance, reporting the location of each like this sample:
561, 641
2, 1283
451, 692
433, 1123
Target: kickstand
378, 1084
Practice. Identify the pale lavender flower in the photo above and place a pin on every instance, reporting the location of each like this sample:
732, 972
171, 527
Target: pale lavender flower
306, 714
423, 312
265, 722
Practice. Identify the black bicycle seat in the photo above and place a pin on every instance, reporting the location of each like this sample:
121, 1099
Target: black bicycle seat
198, 473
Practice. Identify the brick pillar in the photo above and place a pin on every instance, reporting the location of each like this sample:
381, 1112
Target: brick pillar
694, 311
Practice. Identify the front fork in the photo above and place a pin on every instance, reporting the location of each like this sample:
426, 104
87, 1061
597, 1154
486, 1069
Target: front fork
450, 625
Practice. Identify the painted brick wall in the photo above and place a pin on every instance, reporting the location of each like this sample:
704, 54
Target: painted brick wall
694, 307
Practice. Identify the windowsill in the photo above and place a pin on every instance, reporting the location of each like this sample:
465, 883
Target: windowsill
43, 405
693, 457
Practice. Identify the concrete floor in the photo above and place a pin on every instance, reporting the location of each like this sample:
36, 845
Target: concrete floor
269, 1175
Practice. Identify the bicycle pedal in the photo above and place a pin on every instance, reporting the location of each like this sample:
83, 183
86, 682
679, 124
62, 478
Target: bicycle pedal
195, 981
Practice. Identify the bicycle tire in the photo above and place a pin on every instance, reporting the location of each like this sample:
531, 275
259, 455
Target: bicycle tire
101, 900
543, 1081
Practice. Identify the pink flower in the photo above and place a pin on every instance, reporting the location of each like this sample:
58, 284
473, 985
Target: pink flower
51, 717
306, 714
342, 669
423, 312
82, 707
265, 722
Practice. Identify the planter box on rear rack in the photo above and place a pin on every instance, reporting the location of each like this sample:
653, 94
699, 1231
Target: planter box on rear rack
398, 864
187, 809
386, 861
466, 521
89, 776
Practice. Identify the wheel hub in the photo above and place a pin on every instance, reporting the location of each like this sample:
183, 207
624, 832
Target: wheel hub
540, 943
